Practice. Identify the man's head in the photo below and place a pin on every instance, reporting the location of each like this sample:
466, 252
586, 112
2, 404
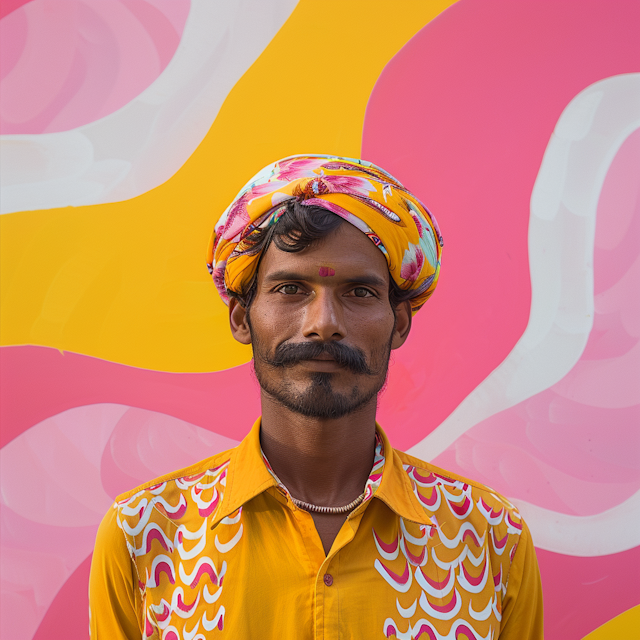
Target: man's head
322, 261
320, 314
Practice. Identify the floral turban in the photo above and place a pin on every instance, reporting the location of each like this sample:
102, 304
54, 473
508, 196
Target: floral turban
359, 192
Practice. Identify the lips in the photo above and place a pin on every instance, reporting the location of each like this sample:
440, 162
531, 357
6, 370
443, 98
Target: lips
321, 364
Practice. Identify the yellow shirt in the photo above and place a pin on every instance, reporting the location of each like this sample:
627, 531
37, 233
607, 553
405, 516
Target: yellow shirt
219, 550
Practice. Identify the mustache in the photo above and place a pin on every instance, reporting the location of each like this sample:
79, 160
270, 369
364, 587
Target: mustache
291, 353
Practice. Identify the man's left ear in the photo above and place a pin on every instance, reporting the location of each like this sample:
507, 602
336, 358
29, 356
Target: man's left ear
403, 324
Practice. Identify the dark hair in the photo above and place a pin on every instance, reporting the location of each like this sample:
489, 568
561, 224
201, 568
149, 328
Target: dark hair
298, 228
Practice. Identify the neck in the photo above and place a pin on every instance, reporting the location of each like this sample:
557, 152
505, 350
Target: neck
322, 461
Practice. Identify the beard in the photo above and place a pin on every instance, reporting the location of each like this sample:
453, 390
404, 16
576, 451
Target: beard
319, 398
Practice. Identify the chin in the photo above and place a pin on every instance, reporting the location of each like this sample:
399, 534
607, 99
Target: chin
319, 398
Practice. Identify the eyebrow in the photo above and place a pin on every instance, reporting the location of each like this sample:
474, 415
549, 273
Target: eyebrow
369, 279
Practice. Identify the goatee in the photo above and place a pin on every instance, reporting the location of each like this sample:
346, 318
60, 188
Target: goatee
319, 399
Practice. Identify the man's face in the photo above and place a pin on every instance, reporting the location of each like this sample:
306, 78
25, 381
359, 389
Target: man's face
322, 326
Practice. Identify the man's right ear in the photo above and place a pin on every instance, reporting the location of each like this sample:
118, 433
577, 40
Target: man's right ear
238, 322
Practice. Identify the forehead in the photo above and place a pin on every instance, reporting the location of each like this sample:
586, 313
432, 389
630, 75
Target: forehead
347, 251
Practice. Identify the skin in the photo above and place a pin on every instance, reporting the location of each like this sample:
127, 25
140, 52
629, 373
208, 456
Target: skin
324, 461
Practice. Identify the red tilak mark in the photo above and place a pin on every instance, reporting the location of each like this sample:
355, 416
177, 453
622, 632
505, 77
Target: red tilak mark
326, 271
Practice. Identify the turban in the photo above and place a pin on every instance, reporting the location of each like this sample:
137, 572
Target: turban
357, 191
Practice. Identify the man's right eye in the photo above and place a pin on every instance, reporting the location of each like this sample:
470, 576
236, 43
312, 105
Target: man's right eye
289, 289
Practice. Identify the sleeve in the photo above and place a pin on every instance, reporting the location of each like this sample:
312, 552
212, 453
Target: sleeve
113, 593
522, 613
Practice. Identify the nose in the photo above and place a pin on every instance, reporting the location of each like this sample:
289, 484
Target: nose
324, 318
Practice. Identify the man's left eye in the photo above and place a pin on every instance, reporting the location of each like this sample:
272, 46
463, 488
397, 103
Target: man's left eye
361, 292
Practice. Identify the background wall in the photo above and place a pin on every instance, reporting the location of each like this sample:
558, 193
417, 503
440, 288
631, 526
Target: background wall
129, 125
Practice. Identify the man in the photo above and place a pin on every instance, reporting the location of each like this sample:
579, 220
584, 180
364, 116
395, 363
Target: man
314, 527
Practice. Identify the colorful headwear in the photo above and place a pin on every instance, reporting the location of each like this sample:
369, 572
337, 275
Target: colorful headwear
358, 191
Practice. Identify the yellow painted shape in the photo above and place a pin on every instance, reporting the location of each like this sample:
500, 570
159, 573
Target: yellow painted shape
626, 626
126, 281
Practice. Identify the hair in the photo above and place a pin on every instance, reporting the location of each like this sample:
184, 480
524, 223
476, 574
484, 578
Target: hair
298, 228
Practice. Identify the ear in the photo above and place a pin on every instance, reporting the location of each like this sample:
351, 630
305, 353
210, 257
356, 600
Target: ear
238, 322
403, 324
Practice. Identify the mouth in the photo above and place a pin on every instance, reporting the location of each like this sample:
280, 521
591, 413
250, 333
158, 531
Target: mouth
321, 363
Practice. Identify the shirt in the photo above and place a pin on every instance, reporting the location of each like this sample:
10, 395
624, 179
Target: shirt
220, 550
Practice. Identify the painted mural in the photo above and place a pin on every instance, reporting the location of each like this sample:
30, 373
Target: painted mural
127, 126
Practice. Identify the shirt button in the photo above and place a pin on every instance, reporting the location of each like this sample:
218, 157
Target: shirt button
328, 579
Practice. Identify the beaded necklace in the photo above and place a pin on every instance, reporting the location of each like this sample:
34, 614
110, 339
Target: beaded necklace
307, 506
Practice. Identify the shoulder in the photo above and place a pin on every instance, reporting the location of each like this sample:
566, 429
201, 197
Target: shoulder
412, 464
465, 510
166, 502
185, 474
425, 474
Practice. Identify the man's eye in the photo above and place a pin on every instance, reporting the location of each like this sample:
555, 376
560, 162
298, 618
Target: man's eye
289, 289
361, 292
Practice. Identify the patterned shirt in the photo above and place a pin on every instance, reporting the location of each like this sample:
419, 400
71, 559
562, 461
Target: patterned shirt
219, 550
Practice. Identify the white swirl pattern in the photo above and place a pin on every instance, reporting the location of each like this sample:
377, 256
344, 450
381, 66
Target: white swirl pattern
459, 589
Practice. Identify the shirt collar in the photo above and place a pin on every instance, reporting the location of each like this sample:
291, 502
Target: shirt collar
248, 476
396, 488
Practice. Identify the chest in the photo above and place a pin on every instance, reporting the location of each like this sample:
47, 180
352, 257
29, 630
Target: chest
263, 573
